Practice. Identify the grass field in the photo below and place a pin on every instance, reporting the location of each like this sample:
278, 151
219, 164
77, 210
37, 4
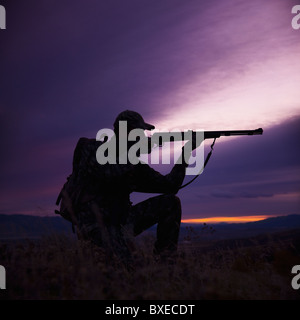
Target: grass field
58, 267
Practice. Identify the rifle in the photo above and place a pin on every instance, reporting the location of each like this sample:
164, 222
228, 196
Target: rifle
218, 134
160, 137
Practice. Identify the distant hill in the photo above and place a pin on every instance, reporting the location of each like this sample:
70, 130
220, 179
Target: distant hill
18, 226
242, 230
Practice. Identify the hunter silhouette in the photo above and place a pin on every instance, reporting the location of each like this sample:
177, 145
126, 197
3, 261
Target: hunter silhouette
96, 198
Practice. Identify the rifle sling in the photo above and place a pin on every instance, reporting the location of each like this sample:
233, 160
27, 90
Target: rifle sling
205, 163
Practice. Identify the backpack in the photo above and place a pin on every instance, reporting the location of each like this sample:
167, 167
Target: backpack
73, 192
69, 195
67, 200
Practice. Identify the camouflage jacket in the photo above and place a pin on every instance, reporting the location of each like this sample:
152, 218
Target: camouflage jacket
112, 184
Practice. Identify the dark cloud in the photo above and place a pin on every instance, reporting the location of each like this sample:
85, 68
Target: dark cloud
232, 195
68, 68
249, 171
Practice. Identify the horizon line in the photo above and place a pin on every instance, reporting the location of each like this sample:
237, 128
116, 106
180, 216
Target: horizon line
227, 219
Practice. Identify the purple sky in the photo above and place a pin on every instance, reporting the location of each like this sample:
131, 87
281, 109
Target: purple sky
67, 68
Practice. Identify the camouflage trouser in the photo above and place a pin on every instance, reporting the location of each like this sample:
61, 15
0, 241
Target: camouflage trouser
163, 210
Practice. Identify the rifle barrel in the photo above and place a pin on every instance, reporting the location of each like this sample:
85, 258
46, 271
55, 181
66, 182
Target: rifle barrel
180, 136
217, 134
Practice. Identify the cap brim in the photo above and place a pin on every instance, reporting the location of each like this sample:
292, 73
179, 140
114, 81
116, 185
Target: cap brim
148, 126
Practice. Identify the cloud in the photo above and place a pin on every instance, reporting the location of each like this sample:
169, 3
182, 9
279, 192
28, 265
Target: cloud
180, 63
244, 194
250, 176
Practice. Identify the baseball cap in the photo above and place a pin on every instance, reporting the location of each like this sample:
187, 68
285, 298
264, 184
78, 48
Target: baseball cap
134, 119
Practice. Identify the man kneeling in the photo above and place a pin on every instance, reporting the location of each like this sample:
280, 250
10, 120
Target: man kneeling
100, 198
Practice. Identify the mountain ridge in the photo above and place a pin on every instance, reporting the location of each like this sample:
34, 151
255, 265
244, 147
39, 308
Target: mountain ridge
15, 226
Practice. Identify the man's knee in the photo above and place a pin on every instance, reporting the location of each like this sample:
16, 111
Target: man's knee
177, 201
173, 204
172, 200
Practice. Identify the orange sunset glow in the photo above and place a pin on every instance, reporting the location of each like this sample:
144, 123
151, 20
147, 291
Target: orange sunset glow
226, 219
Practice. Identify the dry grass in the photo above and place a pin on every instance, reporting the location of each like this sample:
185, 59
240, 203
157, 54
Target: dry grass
58, 267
